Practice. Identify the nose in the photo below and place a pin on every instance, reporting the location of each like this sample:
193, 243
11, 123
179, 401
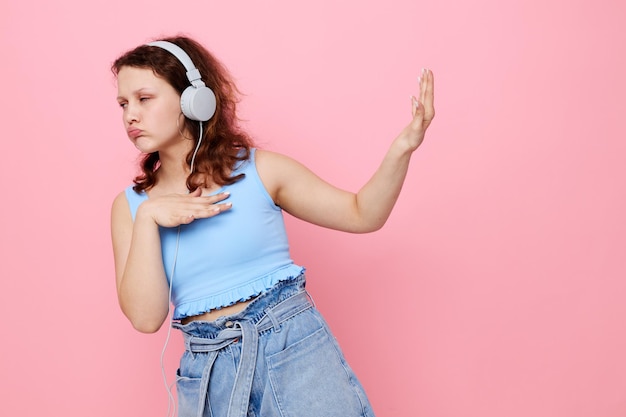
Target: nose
131, 113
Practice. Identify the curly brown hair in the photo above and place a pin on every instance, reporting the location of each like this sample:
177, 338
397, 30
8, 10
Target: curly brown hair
224, 144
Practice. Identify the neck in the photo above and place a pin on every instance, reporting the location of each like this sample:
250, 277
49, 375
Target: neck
173, 170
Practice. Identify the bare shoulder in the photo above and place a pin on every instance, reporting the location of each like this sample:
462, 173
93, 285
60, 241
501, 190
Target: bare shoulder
120, 201
288, 180
273, 168
121, 230
274, 164
267, 158
120, 210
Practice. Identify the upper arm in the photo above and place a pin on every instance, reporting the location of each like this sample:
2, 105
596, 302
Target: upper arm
301, 193
121, 233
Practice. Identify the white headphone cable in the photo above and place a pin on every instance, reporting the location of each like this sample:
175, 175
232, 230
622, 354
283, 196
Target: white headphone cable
170, 396
195, 152
171, 403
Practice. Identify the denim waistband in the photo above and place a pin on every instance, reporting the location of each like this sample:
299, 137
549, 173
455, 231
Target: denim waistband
285, 300
254, 312
273, 317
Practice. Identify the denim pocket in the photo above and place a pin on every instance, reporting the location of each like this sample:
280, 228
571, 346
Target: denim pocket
187, 390
310, 378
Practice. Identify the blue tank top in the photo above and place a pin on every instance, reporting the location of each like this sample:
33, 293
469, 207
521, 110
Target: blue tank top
231, 257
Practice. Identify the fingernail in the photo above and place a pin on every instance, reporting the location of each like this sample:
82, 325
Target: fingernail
424, 71
419, 80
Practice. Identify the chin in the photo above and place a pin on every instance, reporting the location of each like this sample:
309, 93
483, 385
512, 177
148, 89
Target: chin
143, 147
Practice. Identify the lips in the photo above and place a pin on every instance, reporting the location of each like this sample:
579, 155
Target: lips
134, 133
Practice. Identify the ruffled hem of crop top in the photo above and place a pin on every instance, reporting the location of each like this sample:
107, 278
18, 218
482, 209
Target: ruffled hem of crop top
248, 291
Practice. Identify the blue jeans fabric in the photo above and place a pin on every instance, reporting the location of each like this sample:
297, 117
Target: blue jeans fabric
276, 358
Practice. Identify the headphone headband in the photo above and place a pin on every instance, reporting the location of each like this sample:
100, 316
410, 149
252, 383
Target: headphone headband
192, 72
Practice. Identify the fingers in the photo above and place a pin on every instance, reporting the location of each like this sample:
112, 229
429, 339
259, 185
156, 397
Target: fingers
427, 94
415, 106
197, 200
418, 115
426, 86
423, 80
175, 209
426, 89
207, 211
204, 207
217, 197
423, 108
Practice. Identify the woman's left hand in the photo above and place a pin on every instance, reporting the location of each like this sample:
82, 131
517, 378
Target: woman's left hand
423, 112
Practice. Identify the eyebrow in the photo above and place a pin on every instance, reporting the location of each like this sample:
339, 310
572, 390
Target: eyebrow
137, 92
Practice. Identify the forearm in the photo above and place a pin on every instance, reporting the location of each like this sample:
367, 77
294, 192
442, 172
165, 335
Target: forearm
376, 199
143, 290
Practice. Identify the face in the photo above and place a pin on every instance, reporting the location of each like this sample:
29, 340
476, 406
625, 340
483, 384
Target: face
150, 111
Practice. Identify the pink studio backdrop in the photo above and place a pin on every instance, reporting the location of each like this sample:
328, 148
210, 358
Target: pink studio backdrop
497, 287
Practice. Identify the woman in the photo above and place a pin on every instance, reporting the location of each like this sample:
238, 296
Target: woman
204, 221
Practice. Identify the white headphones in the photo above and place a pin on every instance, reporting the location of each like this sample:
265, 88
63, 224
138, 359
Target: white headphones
197, 102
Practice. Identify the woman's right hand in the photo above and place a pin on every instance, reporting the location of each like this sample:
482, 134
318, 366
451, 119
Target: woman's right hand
142, 287
172, 210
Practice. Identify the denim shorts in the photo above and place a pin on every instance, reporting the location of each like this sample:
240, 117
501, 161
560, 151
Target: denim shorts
276, 358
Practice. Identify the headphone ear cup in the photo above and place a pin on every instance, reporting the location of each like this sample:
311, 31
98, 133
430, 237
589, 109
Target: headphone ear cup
198, 103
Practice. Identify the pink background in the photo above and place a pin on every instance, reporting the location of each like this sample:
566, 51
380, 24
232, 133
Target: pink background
497, 288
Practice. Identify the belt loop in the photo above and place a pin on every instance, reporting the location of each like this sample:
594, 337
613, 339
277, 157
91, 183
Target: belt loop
273, 319
188, 342
308, 294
